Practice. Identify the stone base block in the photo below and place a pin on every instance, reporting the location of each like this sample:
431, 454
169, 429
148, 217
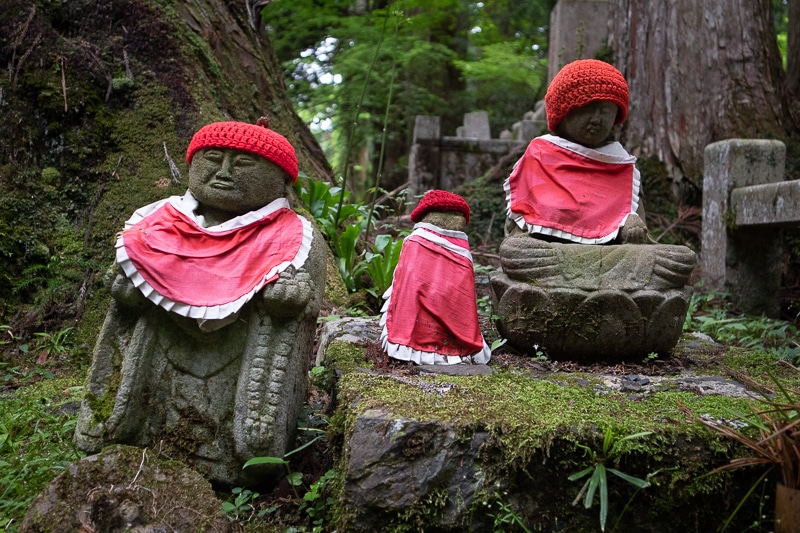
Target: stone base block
573, 324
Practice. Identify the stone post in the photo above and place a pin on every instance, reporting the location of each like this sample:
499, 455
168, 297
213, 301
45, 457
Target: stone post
744, 261
476, 125
423, 159
578, 28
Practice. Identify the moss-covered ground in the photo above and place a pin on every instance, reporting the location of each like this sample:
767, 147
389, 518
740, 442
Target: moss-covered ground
539, 424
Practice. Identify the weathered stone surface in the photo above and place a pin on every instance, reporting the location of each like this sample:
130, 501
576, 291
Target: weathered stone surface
225, 385
768, 204
445, 162
742, 260
396, 463
625, 267
455, 370
591, 302
126, 489
476, 125
588, 325
444, 453
354, 330
577, 31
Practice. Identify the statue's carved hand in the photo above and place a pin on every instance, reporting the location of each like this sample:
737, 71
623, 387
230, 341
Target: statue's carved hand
289, 294
124, 291
634, 231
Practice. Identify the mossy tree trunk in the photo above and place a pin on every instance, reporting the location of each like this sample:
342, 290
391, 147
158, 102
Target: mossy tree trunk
699, 72
99, 100
793, 61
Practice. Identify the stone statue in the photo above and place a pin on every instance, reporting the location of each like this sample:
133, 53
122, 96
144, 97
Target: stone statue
205, 349
580, 276
431, 313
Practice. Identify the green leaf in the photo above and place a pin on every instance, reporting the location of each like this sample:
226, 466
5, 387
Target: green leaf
635, 481
594, 482
607, 440
498, 343
304, 446
265, 461
295, 478
603, 481
582, 473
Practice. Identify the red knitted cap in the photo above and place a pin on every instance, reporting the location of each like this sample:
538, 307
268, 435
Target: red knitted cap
439, 200
256, 138
582, 82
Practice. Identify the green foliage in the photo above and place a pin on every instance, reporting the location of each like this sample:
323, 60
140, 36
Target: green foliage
446, 57
240, 506
53, 344
771, 434
316, 505
598, 470
381, 263
709, 313
36, 428
344, 223
507, 517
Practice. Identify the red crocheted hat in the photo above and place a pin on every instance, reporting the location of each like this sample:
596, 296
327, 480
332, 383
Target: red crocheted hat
256, 138
582, 82
439, 200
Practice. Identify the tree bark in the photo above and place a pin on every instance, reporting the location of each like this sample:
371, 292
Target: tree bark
699, 71
99, 103
793, 61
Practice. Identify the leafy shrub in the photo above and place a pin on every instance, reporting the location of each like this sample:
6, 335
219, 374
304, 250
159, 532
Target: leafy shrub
36, 427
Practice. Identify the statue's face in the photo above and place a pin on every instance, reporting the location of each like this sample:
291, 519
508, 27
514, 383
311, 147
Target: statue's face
589, 125
452, 220
233, 181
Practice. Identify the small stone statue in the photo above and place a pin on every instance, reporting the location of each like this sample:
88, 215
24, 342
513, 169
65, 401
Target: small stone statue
205, 349
431, 313
571, 192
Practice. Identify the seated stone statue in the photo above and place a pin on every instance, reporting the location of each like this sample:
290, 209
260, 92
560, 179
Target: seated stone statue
431, 312
205, 348
580, 276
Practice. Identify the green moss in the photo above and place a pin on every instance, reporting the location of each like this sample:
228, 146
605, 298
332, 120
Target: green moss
729, 219
103, 406
345, 357
536, 427
518, 409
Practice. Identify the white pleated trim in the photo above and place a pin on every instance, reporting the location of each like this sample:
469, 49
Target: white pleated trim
419, 231
216, 316
610, 153
421, 357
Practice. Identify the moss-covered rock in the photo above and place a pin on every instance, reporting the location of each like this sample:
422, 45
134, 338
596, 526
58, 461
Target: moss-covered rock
125, 488
449, 453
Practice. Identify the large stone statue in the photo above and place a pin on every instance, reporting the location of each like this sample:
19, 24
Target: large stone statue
204, 352
580, 276
431, 312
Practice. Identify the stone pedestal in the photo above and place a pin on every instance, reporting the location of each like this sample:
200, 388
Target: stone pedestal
592, 302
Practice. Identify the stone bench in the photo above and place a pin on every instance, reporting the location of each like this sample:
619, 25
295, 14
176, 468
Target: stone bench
746, 205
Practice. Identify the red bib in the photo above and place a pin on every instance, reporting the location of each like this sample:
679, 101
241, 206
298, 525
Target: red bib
431, 314
209, 272
567, 190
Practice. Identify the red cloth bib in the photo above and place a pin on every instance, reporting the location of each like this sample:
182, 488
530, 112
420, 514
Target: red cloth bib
587, 194
431, 315
184, 263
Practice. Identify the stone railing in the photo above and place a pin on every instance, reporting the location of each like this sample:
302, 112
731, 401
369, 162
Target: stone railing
439, 162
746, 203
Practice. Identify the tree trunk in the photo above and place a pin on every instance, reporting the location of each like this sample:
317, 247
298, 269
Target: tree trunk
793, 61
99, 104
699, 71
